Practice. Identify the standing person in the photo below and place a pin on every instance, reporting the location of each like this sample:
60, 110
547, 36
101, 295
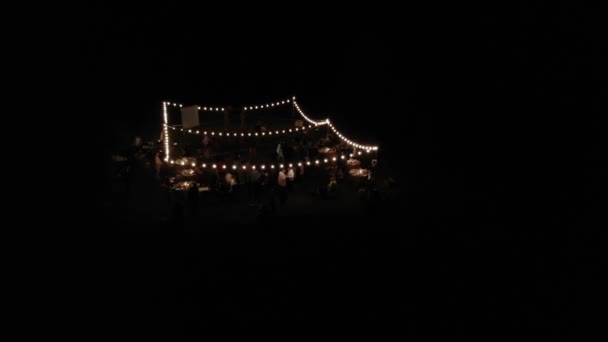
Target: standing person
282, 187
290, 178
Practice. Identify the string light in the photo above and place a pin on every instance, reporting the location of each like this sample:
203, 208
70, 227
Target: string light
214, 166
266, 105
204, 165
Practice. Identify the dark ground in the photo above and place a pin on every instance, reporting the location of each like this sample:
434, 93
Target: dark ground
489, 119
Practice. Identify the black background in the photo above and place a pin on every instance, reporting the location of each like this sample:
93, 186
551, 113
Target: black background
488, 116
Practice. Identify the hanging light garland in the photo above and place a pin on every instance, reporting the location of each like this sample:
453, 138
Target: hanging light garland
243, 134
316, 162
267, 105
367, 148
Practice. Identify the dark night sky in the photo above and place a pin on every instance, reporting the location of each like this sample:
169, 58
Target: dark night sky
469, 87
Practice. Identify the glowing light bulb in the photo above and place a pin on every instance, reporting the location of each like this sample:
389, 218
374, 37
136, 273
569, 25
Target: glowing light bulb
281, 166
256, 134
242, 134
334, 158
244, 167
205, 108
223, 166
325, 160
204, 165
316, 162
277, 132
248, 134
307, 163
290, 165
189, 131
197, 132
342, 156
253, 167
299, 164
234, 167
263, 167
272, 166
172, 162
199, 108
220, 133
214, 166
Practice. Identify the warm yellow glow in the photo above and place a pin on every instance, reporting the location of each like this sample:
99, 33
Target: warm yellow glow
334, 158
316, 162
325, 160
214, 166
199, 108
263, 167
223, 166
172, 162
253, 167
193, 164
204, 165
244, 167
342, 156
272, 166
307, 163
234, 167
299, 164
